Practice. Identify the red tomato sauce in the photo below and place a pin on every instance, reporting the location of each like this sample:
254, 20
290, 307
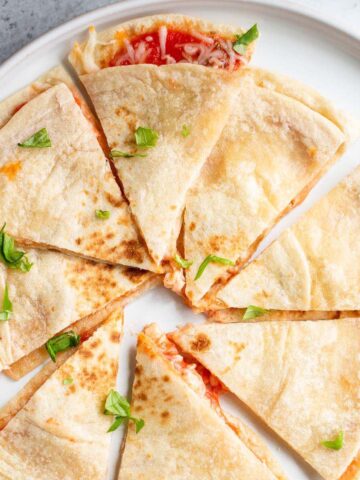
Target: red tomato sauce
180, 46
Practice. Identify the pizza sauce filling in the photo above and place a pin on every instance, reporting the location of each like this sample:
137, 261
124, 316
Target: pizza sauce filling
169, 46
201, 380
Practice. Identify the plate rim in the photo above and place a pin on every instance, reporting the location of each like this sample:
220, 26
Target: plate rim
326, 22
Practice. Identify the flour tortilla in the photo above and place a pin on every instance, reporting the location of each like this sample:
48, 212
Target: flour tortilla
314, 265
97, 51
271, 152
162, 98
58, 291
301, 378
62, 431
49, 195
183, 437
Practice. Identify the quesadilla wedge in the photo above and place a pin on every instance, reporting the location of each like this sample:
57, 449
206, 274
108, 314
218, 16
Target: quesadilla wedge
272, 151
144, 110
163, 39
54, 179
312, 266
301, 378
61, 432
58, 291
186, 433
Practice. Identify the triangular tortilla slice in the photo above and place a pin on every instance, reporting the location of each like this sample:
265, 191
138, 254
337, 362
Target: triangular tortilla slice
58, 291
271, 152
184, 437
164, 99
314, 265
62, 431
50, 195
301, 378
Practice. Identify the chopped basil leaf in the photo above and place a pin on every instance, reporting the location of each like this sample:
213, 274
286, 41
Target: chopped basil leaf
40, 139
242, 41
68, 381
252, 312
182, 262
6, 306
119, 406
146, 137
116, 424
119, 153
102, 214
62, 342
335, 444
212, 259
185, 132
10, 256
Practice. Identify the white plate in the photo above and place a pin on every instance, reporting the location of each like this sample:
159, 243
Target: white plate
301, 46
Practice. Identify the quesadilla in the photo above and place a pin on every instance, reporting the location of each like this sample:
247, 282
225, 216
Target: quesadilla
58, 291
301, 378
192, 103
312, 266
61, 432
186, 434
164, 39
143, 110
272, 151
57, 187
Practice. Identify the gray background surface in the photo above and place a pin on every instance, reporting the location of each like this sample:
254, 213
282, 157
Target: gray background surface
23, 20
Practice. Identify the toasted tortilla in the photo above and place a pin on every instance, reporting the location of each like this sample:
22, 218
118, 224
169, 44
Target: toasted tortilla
313, 265
301, 378
58, 291
164, 99
272, 151
183, 437
98, 50
62, 431
49, 195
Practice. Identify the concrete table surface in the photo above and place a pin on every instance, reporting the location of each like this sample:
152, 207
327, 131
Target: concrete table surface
24, 20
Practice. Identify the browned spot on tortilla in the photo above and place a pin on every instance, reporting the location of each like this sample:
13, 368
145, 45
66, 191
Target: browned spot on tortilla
98, 377
201, 343
168, 398
110, 235
133, 250
115, 337
10, 170
312, 151
165, 414
166, 378
95, 283
135, 275
78, 241
52, 421
142, 396
128, 116
139, 369
115, 201
172, 207
192, 226
85, 352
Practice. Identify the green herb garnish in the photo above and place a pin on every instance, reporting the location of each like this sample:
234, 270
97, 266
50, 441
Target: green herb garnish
118, 406
40, 139
146, 137
335, 444
252, 312
10, 256
68, 381
6, 306
120, 154
102, 214
242, 41
212, 259
62, 342
182, 262
185, 131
